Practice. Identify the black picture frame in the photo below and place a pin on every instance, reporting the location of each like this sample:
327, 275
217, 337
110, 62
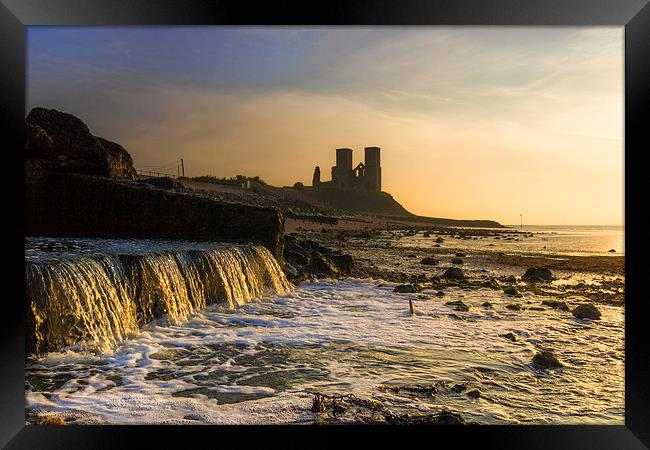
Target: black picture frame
634, 15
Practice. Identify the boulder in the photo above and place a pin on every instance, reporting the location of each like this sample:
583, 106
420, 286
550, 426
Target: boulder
344, 263
37, 141
439, 240
290, 245
586, 311
448, 418
73, 148
119, 162
511, 291
298, 259
407, 288
321, 265
460, 255
556, 304
460, 306
491, 283
509, 336
537, 274
456, 261
514, 306
454, 273
418, 278
429, 261
312, 258
440, 294
474, 393
459, 387
546, 359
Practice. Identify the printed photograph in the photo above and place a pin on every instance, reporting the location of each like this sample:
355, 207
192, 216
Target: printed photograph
324, 225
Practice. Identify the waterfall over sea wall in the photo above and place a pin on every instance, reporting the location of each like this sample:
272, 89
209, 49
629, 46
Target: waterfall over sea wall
95, 293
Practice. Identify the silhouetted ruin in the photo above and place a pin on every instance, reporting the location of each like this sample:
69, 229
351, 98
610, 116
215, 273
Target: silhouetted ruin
364, 176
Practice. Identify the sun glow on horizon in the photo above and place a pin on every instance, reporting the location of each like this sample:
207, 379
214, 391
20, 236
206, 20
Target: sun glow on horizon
472, 122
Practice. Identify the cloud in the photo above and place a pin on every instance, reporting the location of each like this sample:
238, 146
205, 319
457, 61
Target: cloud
473, 123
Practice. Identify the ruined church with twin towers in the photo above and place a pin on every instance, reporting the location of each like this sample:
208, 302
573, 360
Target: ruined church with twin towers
366, 175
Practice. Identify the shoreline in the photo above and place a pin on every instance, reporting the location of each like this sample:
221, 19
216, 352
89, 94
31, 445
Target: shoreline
377, 255
481, 302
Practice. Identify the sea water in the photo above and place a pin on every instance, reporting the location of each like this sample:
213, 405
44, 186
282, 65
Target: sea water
262, 362
570, 240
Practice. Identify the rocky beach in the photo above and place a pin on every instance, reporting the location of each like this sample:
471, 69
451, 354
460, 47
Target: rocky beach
378, 328
483, 258
186, 301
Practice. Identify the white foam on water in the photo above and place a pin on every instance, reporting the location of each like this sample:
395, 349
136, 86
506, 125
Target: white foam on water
259, 362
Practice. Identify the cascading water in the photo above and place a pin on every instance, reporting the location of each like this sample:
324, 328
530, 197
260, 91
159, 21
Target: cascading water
96, 293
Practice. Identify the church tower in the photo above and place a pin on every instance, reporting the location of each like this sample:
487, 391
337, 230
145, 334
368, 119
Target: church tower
372, 176
315, 182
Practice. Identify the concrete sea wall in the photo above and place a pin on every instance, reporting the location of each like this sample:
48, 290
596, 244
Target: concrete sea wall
75, 205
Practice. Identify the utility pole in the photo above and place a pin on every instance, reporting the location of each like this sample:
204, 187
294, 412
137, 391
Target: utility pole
521, 221
182, 168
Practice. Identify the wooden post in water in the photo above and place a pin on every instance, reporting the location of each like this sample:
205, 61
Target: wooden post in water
411, 306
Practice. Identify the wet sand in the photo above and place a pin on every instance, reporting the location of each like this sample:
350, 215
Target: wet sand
613, 265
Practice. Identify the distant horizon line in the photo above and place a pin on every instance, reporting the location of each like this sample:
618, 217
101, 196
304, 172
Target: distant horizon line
564, 225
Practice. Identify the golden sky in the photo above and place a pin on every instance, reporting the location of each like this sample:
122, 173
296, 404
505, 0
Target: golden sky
473, 123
